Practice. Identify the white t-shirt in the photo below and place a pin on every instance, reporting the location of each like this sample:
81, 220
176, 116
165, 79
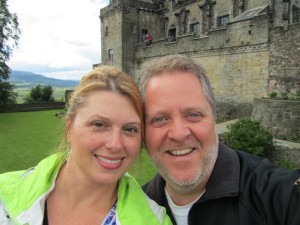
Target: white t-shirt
180, 213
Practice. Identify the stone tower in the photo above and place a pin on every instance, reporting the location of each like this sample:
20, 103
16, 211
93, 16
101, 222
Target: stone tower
121, 30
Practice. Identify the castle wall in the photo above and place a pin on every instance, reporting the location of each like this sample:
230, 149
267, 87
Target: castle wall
246, 59
285, 60
130, 37
111, 38
235, 59
257, 3
238, 77
281, 117
150, 21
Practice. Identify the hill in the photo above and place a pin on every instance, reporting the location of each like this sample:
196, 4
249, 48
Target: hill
22, 79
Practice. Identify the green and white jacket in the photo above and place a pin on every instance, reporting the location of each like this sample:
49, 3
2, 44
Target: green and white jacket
23, 195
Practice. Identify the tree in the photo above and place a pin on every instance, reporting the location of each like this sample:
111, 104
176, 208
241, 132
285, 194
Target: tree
47, 94
7, 96
40, 93
9, 36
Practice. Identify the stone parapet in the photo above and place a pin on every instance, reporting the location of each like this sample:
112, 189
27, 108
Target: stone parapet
281, 117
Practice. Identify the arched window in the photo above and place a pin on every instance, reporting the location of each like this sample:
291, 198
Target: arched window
111, 56
172, 35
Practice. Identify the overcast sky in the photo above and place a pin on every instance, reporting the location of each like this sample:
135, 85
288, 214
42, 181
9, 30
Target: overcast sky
59, 39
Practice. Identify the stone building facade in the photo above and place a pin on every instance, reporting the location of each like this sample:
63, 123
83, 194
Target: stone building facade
250, 48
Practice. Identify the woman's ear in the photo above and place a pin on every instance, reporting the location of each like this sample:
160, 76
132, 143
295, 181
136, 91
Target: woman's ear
68, 126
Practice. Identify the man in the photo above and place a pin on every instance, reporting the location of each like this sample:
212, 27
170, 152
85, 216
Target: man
200, 180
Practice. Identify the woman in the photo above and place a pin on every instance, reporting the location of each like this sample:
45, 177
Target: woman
88, 183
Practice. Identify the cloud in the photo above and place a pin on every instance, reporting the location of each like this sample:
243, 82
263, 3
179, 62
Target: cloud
60, 38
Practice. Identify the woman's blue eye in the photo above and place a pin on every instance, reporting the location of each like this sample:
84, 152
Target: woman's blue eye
98, 124
131, 129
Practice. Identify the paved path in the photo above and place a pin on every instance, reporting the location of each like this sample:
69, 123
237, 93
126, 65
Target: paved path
222, 127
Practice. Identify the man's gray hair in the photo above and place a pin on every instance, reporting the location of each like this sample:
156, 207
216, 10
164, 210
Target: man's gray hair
176, 63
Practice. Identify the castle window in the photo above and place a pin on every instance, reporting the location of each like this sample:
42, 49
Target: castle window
106, 31
296, 14
195, 28
173, 2
133, 28
143, 38
222, 20
111, 55
172, 35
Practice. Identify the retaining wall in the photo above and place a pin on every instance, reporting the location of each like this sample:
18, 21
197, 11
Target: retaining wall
32, 107
281, 117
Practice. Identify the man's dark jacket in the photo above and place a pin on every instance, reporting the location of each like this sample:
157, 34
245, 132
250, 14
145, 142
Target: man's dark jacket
242, 190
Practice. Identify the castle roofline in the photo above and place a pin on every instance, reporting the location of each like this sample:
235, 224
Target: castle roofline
249, 14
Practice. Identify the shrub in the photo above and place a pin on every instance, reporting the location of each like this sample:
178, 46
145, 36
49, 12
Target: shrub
40, 93
273, 94
249, 136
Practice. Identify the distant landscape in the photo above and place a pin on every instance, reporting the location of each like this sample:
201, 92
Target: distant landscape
24, 81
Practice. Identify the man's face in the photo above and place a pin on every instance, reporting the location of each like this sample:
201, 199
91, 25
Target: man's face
180, 130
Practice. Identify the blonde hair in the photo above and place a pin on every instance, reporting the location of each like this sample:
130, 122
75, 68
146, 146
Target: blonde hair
103, 78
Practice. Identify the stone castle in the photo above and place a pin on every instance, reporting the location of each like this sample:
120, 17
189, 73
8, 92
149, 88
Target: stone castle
249, 48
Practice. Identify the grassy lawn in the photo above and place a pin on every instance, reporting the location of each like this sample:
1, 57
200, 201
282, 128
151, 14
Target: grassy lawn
28, 137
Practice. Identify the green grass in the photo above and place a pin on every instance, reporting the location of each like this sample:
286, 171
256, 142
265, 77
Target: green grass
28, 137
143, 170
22, 92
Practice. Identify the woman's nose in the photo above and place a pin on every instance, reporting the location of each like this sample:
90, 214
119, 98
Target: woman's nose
114, 142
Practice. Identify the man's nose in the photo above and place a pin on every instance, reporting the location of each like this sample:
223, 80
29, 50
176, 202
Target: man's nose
179, 130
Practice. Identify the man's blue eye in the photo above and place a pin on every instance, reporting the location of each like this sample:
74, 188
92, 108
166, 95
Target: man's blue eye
194, 114
158, 119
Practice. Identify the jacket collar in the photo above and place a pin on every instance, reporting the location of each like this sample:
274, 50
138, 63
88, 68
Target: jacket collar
224, 180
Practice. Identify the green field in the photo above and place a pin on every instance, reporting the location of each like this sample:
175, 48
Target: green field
28, 137
58, 93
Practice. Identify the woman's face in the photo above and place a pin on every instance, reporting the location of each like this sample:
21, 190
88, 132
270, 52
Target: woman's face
105, 138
